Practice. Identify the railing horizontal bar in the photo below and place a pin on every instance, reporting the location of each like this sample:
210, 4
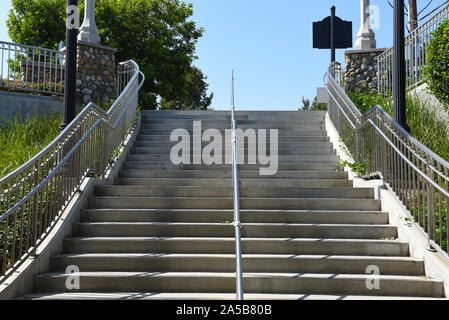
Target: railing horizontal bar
43, 187
409, 137
399, 152
51, 174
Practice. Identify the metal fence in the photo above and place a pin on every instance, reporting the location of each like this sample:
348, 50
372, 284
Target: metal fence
33, 196
31, 69
416, 44
417, 176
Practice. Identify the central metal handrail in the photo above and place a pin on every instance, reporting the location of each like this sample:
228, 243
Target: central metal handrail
418, 177
235, 180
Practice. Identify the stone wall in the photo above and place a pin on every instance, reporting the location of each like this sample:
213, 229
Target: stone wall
361, 70
96, 73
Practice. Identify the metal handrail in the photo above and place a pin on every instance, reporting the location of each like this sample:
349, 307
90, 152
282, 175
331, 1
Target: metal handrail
235, 179
416, 44
417, 176
33, 196
31, 69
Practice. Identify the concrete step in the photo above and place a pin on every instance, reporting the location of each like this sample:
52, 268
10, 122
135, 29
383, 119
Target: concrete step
313, 126
164, 231
240, 151
267, 191
240, 115
129, 175
165, 158
281, 145
145, 166
207, 296
227, 182
227, 122
253, 283
246, 216
227, 203
251, 230
287, 139
128, 262
302, 132
215, 245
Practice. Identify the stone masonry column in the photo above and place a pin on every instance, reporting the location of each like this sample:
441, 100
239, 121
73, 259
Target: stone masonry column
361, 70
96, 66
96, 73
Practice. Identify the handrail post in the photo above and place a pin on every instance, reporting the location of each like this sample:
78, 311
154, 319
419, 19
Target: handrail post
430, 205
235, 178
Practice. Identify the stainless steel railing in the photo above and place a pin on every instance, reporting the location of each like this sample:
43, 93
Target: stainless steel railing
235, 181
33, 196
31, 69
416, 44
417, 176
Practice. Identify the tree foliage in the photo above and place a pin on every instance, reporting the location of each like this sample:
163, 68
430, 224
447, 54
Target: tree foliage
195, 96
314, 106
37, 22
157, 34
437, 68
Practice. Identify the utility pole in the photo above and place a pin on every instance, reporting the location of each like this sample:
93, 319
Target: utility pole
400, 113
333, 34
413, 14
70, 63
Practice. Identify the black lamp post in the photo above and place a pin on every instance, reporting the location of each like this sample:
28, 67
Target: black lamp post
400, 112
70, 67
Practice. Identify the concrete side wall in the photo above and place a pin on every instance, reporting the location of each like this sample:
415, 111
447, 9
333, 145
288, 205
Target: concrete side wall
23, 104
22, 281
430, 100
436, 266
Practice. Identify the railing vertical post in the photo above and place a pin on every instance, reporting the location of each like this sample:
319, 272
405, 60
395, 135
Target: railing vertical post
430, 204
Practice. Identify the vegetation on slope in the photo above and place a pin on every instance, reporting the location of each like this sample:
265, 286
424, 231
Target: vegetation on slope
21, 140
423, 121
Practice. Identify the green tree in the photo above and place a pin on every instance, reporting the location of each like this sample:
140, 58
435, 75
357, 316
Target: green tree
314, 106
37, 22
157, 34
195, 96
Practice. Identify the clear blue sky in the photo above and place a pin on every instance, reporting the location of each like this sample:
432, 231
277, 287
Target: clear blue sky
268, 44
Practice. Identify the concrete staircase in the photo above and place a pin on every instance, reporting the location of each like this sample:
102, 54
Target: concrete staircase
163, 231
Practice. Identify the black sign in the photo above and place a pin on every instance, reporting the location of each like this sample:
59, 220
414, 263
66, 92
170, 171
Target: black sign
342, 34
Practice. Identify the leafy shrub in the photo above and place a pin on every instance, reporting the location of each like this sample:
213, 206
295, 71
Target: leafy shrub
437, 68
364, 101
424, 123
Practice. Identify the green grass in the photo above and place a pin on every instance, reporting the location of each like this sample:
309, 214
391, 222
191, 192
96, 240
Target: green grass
422, 120
21, 140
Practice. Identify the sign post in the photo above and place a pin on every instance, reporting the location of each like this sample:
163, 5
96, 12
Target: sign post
332, 33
